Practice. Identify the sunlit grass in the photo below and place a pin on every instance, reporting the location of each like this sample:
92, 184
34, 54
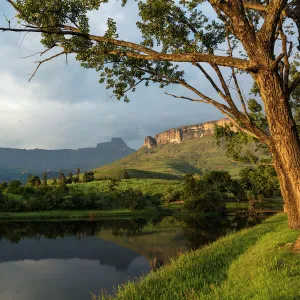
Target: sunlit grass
256, 263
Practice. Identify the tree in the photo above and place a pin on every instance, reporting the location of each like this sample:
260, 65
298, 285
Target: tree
54, 182
45, 175
260, 181
256, 38
14, 186
3, 186
34, 181
77, 174
70, 179
126, 175
62, 178
88, 176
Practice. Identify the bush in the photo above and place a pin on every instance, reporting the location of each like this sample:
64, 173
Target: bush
207, 194
88, 177
171, 195
14, 187
3, 186
261, 181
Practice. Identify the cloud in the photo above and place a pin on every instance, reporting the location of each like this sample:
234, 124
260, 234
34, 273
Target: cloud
65, 106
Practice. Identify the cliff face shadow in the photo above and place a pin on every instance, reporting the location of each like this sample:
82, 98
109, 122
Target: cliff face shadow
152, 175
184, 167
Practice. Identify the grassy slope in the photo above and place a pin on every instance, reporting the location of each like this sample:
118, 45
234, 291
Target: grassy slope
256, 263
173, 160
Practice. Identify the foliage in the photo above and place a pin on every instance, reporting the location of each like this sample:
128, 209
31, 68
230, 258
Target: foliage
62, 178
126, 175
88, 176
63, 197
14, 187
207, 194
171, 195
34, 181
3, 186
260, 181
45, 175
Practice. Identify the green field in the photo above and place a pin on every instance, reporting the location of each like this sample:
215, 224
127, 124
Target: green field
147, 186
256, 263
172, 161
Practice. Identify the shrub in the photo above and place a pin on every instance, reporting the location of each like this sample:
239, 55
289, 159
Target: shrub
88, 177
14, 187
260, 181
3, 186
207, 194
171, 195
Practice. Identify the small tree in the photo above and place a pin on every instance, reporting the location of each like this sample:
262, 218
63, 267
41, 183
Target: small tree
88, 176
54, 182
70, 178
77, 174
45, 177
126, 175
34, 181
3, 186
14, 186
62, 178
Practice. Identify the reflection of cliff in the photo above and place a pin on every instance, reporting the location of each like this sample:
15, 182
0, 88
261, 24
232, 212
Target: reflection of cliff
90, 248
184, 133
158, 246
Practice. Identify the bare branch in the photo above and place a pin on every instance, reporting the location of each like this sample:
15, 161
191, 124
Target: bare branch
186, 98
208, 77
43, 61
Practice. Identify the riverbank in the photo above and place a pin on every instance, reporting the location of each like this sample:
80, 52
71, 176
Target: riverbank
256, 263
83, 214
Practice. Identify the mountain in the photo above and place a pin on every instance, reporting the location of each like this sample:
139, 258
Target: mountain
175, 152
17, 163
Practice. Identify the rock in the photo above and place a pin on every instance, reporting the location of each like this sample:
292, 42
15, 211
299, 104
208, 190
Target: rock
150, 142
118, 143
184, 133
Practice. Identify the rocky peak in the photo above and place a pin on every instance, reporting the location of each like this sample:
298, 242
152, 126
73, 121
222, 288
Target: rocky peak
118, 143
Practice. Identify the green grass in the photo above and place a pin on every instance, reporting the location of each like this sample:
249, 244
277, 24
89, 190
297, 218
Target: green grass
256, 263
172, 161
13, 196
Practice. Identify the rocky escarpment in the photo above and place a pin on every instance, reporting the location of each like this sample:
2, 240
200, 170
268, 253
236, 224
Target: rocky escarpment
184, 133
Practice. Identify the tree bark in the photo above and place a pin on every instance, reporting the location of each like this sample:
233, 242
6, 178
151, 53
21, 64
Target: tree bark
284, 142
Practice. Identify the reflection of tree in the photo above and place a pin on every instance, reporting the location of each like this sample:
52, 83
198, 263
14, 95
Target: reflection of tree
14, 232
202, 230
128, 227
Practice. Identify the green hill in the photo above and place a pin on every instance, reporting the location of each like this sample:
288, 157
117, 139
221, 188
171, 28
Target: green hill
172, 161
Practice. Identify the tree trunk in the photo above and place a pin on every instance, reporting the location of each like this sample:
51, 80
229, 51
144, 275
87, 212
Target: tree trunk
284, 143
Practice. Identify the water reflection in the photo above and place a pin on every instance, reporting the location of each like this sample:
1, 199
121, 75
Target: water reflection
68, 260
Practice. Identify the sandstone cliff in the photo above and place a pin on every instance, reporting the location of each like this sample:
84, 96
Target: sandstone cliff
184, 133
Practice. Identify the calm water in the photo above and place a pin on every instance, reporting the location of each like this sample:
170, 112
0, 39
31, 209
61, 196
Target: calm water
70, 260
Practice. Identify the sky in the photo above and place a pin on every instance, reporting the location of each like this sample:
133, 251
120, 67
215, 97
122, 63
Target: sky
64, 106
